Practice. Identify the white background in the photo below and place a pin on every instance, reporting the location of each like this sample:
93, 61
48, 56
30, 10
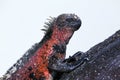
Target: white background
21, 21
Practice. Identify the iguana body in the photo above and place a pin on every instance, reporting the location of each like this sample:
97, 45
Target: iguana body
48, 54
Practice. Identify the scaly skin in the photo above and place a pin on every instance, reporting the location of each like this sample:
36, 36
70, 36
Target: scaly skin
40, 62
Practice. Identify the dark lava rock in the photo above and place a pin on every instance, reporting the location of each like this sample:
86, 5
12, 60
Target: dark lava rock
103, 62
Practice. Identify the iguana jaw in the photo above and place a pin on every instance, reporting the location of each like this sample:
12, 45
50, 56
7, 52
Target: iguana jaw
62, 35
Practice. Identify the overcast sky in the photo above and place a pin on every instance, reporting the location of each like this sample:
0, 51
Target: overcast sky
21, 21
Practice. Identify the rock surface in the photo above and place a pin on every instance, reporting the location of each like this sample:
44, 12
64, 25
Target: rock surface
103, 63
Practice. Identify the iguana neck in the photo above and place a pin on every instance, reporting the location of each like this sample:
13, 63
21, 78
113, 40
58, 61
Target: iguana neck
56, 37
59, 35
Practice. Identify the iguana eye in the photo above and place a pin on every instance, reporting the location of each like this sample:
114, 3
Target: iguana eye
69, 19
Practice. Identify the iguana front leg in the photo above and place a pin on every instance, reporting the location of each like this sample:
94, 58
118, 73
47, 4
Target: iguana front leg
67, 65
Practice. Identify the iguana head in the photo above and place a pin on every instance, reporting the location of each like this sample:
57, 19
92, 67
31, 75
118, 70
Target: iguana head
62, 27
71, 21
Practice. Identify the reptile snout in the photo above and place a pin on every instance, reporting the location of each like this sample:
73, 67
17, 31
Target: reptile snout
73, 21
69, 20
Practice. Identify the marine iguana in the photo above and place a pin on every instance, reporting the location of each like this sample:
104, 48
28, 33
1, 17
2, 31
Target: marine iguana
48, 56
